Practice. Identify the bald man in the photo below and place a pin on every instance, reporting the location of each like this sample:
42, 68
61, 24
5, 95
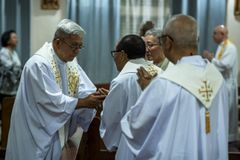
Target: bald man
181, 114
226, 61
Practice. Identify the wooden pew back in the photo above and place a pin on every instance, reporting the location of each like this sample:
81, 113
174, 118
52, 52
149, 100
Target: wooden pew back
7, 105
92, 146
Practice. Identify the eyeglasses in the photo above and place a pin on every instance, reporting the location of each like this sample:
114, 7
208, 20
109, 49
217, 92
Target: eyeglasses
116, 51
73, 47
150, 45
164, 36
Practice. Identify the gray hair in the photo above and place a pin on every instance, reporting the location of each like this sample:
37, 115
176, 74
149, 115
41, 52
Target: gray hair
67, 27
183, 30
156, 32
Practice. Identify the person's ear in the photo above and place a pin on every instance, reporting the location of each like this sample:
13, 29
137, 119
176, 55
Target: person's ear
124, 57
9, 41
168, 44
57, 43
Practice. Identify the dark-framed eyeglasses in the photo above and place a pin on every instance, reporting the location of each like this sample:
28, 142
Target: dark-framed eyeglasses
113, 52
164, 36
73, 47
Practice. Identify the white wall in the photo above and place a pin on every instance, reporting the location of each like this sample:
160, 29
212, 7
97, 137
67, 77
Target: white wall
43, 23
233, 24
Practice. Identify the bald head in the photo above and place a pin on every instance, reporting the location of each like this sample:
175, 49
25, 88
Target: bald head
183, 30
180, 37
221, 28
220, 33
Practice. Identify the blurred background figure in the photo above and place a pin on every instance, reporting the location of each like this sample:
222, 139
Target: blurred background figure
225, 60
10, 65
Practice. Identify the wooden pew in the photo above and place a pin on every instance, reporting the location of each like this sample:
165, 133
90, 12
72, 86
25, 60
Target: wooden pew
92, 146
234, 155
7, 105
234, 150
70, 149
238, 106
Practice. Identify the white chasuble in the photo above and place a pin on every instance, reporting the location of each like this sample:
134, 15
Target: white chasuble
44, 113
67, 70
169, 119
204, 84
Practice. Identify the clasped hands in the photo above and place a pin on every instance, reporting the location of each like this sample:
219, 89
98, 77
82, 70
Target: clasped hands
93, 100
208, 55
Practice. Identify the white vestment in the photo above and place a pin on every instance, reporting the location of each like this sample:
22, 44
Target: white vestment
165, 64
46, 99
226, 62
168, 121
124, 92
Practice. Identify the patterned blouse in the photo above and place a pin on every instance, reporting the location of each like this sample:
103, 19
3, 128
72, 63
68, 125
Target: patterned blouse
10, 71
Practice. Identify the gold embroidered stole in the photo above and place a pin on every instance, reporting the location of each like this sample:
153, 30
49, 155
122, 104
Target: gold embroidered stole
72, 75
133, 65
72, 69
73, 81
204, 85
222, 50
152, 69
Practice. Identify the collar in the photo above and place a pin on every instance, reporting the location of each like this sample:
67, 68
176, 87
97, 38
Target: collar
224, 43
59, 61
196, 60
132, 65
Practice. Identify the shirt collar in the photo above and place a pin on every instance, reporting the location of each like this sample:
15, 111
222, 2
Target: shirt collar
133, 64
196, 60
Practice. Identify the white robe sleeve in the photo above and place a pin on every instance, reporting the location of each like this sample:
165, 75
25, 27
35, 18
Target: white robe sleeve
86, 87
227, 59
51, 108
83, 117
114, 107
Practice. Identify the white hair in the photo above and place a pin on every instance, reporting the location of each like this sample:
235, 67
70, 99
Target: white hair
156, 32
68, 27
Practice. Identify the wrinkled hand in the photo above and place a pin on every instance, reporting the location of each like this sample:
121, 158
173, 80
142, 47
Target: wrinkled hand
144, 78
208, 55
94, 100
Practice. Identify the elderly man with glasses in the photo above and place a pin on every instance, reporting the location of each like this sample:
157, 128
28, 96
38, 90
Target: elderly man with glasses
55, 96
154, 50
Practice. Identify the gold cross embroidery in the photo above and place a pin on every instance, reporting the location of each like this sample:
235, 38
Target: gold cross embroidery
205, 91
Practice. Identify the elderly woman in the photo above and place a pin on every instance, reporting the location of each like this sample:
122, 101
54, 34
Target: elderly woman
10, 65
154, 50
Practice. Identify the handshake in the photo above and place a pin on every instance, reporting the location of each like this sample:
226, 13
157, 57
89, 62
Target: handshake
93, 100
